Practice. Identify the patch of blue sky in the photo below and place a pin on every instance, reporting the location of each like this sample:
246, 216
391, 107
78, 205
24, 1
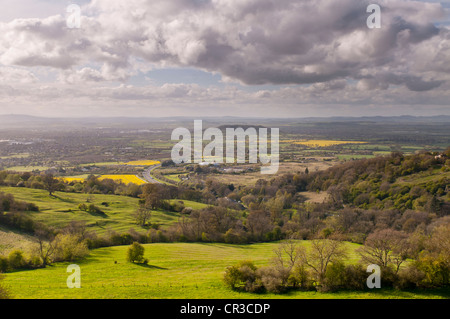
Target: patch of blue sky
161, 76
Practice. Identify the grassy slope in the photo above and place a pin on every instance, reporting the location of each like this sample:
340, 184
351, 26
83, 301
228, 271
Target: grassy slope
11, 239
189, 203
423, 178
177, 270
58, 211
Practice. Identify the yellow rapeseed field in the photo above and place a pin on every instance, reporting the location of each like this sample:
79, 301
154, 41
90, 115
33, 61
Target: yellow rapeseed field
321, 143
72, 179
142, 163
126, 179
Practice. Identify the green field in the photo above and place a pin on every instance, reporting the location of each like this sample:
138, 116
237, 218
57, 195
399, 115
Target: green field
189, 203
177, 270
173, 177
21, 155
353, 156
59, 210
22, 169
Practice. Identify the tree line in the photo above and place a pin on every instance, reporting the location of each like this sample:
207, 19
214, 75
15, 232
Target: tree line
322, 265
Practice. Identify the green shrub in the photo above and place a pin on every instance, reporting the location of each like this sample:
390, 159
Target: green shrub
435, 268
16, 259
243, 277
334, 277
4, 264
69, 248
135, 253
300, 278
35, 261
92, 209
274, 279
410, 278
355, 277
232, 236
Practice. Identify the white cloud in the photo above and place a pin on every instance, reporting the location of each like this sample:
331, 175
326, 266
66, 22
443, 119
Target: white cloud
11, 75
317, 52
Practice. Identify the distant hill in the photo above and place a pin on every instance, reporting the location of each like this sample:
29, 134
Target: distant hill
18, 120
392, 119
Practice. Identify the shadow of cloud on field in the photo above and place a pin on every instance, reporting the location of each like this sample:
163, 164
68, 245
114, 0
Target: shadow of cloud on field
65, 200
225, 246
98, 214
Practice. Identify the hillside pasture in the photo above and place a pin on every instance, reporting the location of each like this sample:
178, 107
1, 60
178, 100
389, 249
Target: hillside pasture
62, 208
177, 270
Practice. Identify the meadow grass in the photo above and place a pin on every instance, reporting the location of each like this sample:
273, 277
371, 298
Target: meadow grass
422, 178
22, 169
175, 270
189, 203
173, 177
354, 156
13, 239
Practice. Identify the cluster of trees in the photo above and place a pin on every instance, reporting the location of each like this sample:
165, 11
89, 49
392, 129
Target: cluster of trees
93, 185
12, 213
68, 244
323, 265
366, 183
362, 199
224, 224
370, 183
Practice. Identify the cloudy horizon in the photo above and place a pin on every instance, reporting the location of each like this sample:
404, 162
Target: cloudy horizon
247, 58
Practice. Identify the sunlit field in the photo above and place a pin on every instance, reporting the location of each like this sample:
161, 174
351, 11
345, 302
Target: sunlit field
176, 270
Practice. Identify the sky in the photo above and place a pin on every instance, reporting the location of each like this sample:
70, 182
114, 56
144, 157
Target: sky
248, 58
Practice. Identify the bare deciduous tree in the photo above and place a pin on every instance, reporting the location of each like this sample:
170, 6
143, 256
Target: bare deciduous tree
46, 245
287, 254
320, 255
385, 247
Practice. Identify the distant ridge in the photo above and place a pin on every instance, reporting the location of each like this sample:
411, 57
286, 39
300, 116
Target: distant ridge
402, 119
17, 119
